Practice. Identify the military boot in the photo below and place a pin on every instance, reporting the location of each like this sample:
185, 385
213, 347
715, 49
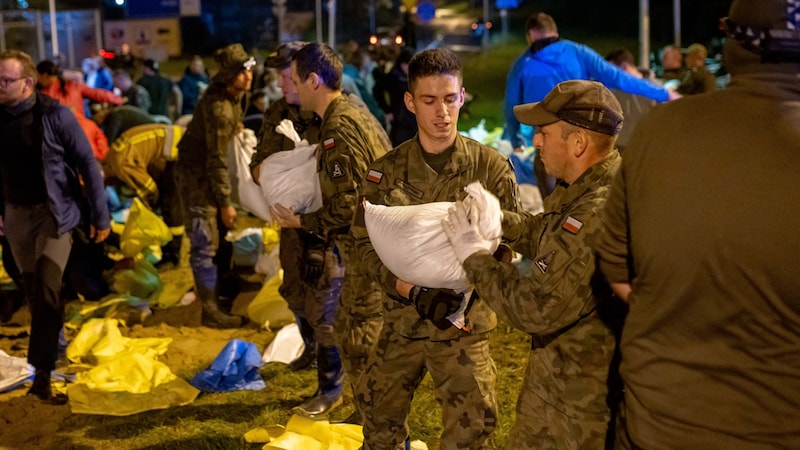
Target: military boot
42, 390
308, 359
329, 392
213, 316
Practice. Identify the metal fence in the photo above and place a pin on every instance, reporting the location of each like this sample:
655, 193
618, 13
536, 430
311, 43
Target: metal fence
79, 34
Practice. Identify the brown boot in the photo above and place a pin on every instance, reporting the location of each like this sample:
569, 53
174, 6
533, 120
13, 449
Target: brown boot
213, 316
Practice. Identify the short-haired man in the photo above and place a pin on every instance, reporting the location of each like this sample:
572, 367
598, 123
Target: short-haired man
563, 400
310, 288
351, 138
434, 166
43, 157
204, 181
551, 60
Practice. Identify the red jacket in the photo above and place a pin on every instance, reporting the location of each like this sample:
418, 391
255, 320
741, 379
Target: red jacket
76, 92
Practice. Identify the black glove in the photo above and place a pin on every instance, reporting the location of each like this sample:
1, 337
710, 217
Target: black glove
435, 304
313, 262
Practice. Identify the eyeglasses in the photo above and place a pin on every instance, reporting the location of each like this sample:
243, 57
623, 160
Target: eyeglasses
4, 82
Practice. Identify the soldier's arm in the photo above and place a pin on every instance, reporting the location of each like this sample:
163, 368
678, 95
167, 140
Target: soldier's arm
269, 140
220, 127
341, 167
558, 291
365, 254
613, 256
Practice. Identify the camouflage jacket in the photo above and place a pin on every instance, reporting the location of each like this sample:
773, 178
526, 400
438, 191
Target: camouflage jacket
140, 155
270, 141
350, 139
404, 178
203, 151
557, 303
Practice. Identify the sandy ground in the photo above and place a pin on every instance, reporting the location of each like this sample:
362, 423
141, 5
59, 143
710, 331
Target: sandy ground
25, 422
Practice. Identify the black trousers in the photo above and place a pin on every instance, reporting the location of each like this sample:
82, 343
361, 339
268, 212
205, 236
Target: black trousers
41, 254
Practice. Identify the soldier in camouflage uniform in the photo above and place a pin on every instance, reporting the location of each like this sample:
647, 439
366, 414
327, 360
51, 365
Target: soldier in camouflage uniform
562, 404
204, 181
143, 159
312, 297
435, 166
351, 138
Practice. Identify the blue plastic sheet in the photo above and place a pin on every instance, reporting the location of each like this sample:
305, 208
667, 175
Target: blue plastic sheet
234, 369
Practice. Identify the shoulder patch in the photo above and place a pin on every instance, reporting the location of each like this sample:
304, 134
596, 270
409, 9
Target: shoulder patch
336, 170
374, 176
328, 143
572, 225
543, 263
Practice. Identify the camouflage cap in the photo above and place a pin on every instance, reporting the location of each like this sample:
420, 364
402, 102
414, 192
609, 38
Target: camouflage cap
282, 57
586, 104
232, 60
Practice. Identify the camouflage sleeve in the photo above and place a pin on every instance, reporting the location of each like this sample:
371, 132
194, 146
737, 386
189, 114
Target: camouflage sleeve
220, 128
504, 185
365, 255
612, 248
558, 291
341, 167
521, 230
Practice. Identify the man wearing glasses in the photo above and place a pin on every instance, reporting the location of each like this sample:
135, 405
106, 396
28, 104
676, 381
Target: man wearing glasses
44, 153
204, 182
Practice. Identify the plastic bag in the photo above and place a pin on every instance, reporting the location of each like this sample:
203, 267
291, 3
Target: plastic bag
143, 229
286, 346
268, 308
142, 281
247, 246
307, 434
410, 242
249, 194
234, 369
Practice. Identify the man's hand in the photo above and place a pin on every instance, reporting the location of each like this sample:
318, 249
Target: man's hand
435, 304
461, 228
98, 235
285, 217
228, 214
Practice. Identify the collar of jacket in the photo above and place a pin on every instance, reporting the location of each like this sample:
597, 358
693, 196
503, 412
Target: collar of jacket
597, 175
542, 43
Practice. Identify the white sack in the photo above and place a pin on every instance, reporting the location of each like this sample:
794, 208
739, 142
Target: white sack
250, 196
411, 243
287, 345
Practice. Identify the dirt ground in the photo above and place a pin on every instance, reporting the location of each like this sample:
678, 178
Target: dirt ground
27, 423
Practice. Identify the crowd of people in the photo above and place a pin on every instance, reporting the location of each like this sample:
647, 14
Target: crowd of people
660, 300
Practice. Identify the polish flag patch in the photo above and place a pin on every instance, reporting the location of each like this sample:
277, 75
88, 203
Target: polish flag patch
374, 176
572, 225
328, 143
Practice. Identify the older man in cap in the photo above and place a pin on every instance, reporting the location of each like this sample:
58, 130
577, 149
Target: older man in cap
708, 261
204, 181
563, 401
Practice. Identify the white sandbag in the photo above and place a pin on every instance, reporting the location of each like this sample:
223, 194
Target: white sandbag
249, 193
410, 242
290, 178
286, 346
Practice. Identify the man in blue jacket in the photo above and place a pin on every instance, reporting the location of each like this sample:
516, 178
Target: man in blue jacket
46, 165
551, 60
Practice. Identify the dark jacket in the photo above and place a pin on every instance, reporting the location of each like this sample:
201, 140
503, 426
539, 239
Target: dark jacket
66, 155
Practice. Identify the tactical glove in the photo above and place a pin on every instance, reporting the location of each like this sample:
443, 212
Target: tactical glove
435, 304
313, 262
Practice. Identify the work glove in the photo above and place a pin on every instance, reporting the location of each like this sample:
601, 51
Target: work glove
435, 304
286, 128
461, 228
313, 263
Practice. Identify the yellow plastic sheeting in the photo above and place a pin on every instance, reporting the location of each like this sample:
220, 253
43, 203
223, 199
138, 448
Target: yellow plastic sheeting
268, 308
100, 341
85, 400
317, 435
270, 236
129, 372
262, 435
142, 230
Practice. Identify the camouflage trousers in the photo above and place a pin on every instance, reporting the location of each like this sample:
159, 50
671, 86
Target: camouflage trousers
358, 320
540, 426
209, 253
316, 304
464, 379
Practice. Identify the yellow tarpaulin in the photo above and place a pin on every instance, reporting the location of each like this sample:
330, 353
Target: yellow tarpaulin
307, 434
